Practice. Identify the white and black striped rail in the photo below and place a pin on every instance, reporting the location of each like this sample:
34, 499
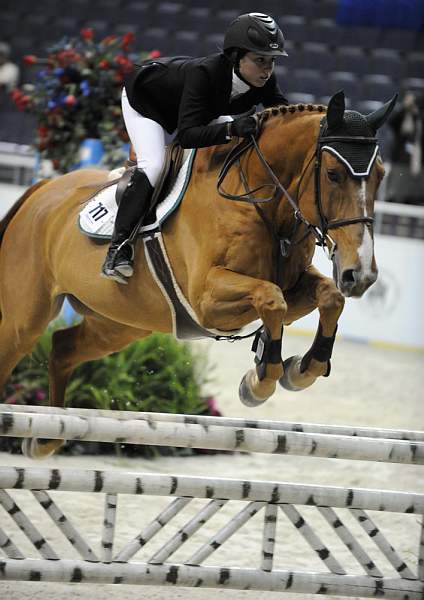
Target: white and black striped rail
222, 436
117, 567
114, 562
299, 427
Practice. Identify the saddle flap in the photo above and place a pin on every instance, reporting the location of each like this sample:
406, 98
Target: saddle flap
97, 217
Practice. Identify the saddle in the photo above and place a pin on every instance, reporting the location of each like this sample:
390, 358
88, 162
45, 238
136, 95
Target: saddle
174, 156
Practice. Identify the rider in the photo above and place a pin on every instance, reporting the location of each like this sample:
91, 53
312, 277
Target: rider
192, 96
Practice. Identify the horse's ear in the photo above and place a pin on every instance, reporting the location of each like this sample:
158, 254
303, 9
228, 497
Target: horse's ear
377, 118
335, 110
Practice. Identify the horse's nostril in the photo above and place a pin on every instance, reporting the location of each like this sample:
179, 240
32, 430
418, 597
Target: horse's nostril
349, 276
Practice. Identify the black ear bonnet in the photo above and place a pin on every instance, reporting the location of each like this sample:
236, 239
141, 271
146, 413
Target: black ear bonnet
358, 156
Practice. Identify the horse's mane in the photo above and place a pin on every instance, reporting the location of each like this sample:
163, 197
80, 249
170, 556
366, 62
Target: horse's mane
220, 152
14, 209
283, 109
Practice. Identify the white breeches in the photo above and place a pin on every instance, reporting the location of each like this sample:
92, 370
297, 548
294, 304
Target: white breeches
148, 139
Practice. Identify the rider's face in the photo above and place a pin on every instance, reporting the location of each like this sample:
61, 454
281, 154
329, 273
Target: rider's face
256, 69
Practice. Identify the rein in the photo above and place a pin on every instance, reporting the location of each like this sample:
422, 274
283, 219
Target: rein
321, 232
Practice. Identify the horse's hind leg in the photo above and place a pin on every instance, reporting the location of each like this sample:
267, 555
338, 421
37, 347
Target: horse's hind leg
93, 338
21, 324
314, 290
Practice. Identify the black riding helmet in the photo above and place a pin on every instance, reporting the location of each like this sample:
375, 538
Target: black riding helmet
255, 32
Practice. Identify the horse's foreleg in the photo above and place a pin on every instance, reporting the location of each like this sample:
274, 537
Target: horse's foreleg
232, 300
93, 338
320, 292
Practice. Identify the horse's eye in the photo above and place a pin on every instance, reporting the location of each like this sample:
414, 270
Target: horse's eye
334, 176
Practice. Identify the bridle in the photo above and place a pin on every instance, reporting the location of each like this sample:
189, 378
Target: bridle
320, 232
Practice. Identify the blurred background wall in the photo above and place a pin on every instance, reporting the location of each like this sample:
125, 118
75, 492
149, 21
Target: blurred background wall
369, 48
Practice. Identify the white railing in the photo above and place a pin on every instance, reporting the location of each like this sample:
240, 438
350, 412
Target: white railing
382, 570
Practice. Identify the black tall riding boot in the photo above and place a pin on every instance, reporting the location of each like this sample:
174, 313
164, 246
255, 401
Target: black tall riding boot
133, 207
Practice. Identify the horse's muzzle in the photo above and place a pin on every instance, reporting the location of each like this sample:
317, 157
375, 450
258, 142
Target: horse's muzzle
354, 282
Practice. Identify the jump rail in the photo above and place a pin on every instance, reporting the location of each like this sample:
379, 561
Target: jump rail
388, 575
372, 432
195, 432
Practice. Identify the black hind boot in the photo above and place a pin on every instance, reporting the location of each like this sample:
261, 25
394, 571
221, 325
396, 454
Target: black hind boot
134, 205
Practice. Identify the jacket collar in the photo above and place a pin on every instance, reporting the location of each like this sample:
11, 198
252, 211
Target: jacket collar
238, 86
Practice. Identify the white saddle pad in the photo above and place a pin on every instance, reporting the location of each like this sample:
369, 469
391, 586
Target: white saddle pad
97, 218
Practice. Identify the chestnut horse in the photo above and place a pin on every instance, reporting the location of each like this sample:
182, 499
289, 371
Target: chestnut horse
324, 166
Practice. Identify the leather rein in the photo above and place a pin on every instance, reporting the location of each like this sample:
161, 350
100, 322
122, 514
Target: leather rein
320, 232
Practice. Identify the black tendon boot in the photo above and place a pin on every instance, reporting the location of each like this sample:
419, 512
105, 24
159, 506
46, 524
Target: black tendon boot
134, 205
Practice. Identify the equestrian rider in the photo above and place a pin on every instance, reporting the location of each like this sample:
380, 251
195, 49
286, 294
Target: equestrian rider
193, 96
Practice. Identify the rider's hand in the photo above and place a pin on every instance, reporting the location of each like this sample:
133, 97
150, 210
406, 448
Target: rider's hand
245, 125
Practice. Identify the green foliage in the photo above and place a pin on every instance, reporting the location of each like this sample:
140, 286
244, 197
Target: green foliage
155, 374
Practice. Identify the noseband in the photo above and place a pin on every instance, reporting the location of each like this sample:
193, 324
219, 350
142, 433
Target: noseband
320, 232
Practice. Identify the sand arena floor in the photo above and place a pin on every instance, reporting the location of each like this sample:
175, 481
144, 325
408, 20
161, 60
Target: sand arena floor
368, 386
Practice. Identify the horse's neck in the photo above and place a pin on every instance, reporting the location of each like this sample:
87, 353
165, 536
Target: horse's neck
288, 144
288, 140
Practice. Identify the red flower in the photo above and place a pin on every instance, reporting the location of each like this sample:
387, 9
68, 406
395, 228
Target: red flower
22, 101
30, 59
120, 59
40, 395
104, 64
42, 132
87, 34
16, 94
68, 57
124, 63
127, 39
155, 54
110, 39
70, 100
213, 407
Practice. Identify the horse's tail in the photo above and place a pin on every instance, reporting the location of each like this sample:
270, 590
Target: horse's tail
14, 209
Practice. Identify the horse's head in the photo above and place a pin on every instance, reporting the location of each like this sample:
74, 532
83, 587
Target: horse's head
348, 172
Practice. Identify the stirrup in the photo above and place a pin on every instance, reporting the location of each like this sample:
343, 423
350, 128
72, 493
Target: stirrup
114, 275
109, 270
126, 267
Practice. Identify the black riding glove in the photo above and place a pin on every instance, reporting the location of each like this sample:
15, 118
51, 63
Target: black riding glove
245, 125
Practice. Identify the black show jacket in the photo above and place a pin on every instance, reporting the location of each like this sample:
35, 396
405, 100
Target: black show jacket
186, 93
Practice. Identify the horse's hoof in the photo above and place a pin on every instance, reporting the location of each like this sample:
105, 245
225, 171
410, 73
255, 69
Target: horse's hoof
26, 447
246, 395
285, 381
32, 448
